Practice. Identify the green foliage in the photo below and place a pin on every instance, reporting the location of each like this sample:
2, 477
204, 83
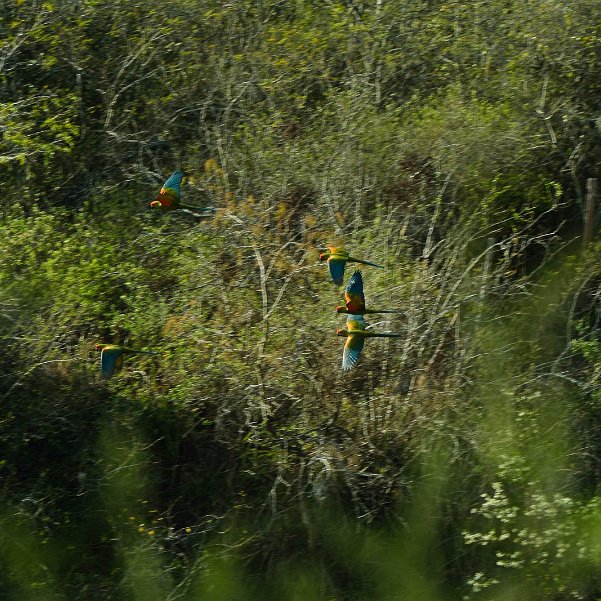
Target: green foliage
543, 538
449, 142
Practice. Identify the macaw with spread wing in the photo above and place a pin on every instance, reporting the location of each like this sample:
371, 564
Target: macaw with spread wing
356, 334
355, 299
337, 258
111, 357
169, 196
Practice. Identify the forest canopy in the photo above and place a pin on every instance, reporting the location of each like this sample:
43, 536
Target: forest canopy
449, 142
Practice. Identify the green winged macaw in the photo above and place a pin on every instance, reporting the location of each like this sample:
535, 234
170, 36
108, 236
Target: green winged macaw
169, 196
337, 258
111, 357
355, 300
356, 334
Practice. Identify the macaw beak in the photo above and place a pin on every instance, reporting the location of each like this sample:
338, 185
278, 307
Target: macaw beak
340, 309
340, 332
155, 204
323, 257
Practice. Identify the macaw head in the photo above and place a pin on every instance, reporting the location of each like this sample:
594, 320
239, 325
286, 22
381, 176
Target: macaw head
324, 256
99, 347
341, 332
341, 309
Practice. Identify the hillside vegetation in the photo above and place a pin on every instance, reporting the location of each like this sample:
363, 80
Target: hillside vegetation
450, 142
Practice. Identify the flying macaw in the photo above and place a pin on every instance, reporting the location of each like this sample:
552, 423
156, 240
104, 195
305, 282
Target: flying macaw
169, 196
337, 258
355, 300
355, 339
111, 357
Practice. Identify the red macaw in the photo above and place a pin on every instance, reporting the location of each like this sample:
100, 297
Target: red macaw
111, 357
337, 258
169, 196
355, 300
355, 339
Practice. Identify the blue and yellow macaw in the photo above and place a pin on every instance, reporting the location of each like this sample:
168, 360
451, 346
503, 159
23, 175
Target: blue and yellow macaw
337, 258
169, 196
356, 334
355, 299
111, 357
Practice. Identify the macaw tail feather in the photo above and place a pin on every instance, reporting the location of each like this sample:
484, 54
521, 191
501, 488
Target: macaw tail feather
191, 208
366, 262
374, 335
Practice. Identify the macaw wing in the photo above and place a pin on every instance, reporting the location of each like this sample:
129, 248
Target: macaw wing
111, 360
336, 270
352, 350
355, 322
355, 300
171, 186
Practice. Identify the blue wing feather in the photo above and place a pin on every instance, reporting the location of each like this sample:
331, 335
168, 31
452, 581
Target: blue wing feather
337, 270
352, 350
351, 320
354, 342
111, 360
355, 284
174, 182
355, 300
